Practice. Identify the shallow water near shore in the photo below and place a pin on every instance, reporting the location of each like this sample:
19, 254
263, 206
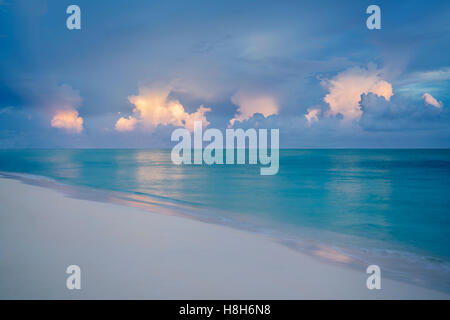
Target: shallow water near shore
354, 207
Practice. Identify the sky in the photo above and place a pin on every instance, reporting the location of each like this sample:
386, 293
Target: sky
136, 70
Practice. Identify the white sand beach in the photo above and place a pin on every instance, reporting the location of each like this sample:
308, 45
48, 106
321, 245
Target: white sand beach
129, 253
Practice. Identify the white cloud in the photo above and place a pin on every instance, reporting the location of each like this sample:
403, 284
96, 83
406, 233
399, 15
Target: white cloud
442, 74
428, 99
68, 120
312, 115
250, 104
153, 107
346, 88
6, 110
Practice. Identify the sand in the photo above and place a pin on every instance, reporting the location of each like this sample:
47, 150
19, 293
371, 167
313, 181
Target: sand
129, 253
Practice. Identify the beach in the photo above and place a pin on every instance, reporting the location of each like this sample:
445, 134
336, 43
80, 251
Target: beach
129, 253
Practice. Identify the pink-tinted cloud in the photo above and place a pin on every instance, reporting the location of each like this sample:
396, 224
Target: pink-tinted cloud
126, 124
68, 120
251, 103
428, 99
346, 88
62, 103
153, 107
312, 115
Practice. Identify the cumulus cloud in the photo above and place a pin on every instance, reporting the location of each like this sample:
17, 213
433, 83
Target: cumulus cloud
312, 115
428, 99
382, 115
345, 90
68, 120
153, 107
126, 124
63, 103
249, 104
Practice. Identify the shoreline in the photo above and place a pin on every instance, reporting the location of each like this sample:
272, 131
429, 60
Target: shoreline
238, 264
400, 265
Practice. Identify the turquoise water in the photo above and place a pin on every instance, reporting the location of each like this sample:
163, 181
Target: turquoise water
377, 201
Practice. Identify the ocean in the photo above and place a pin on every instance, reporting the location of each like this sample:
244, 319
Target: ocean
385, 207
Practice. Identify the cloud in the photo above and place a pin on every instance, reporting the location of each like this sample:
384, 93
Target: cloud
6, 110
312, 115
250, 104
441, 74
434, 82
346, 88
378, 114
126, 124
55, 98
68, 120
153, 107
263, 45
428, 99
63, 102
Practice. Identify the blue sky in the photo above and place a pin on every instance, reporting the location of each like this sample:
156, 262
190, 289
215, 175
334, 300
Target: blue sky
138, 69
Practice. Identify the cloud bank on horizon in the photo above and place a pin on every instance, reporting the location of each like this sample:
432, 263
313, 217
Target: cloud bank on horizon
153, 107
133, 73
